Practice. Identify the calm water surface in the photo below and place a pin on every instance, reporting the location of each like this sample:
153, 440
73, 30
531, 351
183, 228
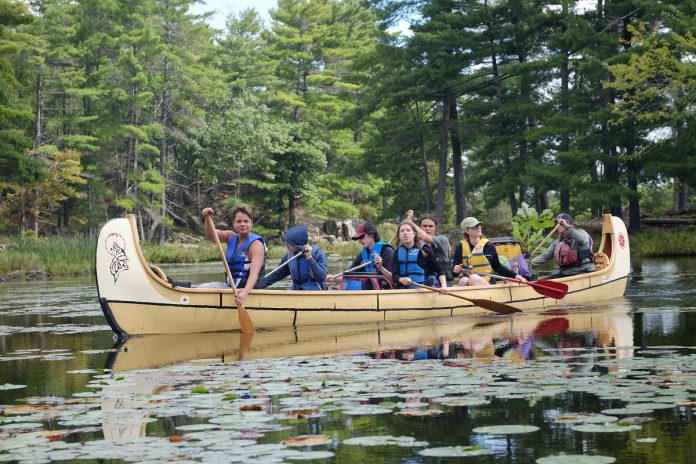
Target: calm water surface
69, 393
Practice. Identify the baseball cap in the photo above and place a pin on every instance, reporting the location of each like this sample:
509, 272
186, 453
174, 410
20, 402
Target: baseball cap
470, 222
365, 228
566, 217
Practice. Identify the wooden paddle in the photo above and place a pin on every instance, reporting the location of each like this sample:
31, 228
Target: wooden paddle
500, 308
366, 263
544, 240
555, 290
245, 323
283, 265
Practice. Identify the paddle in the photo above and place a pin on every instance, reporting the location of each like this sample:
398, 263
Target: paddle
283, 265
245, 323
555, 290
367, 263
544, 240
490, 305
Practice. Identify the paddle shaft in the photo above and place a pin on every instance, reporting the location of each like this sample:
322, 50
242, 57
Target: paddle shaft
245, 323
500, 308
283, 265
555, 290
354, 268
540, 243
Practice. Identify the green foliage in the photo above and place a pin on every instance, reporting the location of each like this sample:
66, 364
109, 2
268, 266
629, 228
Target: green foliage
664, 242
528, 226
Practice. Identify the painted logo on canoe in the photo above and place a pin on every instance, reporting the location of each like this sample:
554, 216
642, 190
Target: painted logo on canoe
115, 245
622, 240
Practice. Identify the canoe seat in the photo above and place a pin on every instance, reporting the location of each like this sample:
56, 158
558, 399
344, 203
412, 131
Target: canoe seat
159, 272
601, 260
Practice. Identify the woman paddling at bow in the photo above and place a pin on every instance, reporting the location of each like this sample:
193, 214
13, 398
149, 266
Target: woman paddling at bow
246, 252
476, 254
416, 262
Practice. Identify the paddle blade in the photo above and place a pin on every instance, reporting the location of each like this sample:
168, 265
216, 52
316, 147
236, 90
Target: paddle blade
555, 290
245, 324
500, 308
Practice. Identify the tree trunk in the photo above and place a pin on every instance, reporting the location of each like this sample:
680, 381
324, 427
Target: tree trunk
428, 191
163, 149
444, 150
291, 210
460, 199
38, 121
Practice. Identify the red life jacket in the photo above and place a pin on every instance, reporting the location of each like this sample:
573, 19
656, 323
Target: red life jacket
565, 256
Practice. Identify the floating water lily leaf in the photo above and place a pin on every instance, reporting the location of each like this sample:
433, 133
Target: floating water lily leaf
627, 411
506, 429
576, 459
456, 401
606, 428
9, 386
646, 440
454, 451
307, 455
385, 440
366, 410
584, 418
420, 412
307, 440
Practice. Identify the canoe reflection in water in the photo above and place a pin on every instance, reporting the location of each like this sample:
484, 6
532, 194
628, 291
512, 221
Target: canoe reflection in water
556, 333
524, 337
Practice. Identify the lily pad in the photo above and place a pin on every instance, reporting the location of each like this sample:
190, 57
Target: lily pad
9, 386
606, 428
576, 459
455, 451
384, 440
506, 429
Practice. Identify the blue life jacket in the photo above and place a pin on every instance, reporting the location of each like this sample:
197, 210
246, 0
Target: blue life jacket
302, 276
408, 265
377, 249
238, 258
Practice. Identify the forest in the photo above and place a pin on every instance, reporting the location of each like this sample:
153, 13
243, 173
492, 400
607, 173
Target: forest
327, 111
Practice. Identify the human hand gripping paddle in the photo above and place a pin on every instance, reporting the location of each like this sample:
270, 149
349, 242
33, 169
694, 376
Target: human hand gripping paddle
500, 308
555, 290
544, 240
245, 323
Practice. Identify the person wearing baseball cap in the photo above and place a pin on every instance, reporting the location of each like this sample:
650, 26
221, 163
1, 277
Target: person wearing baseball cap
573, 250
476, 254
378, 254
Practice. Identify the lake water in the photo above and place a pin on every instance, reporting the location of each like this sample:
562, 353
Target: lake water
610, 381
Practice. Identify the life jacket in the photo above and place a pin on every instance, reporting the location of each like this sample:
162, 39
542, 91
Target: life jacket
377, 249
371, 283
302, 276
567, 255
474, 260
408, 265
238, 258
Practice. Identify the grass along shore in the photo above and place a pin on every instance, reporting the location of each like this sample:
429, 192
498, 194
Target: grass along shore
74, 255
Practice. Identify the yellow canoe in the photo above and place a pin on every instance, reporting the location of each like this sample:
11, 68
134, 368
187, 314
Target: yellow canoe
135, 300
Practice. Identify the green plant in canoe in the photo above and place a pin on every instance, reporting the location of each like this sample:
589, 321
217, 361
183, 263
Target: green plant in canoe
528, 226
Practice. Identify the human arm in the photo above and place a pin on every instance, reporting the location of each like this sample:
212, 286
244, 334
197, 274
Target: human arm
210, 230
384, 260
257, 253
457, 259
318, 263
545, 256
420, 233
279, 274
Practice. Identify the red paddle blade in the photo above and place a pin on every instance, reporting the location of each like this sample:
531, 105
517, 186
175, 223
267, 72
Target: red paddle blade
555, 290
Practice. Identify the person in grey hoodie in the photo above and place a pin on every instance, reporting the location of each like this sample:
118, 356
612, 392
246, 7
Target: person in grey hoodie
572, 250
308, 271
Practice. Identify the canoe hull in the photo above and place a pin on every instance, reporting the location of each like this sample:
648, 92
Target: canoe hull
136, 301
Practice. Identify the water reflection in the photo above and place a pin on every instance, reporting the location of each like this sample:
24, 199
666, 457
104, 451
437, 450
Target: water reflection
521, 337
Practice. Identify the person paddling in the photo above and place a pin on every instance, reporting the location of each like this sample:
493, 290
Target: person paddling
476, 254
415, 261
246, 252
572, 251
380, 255
308, 271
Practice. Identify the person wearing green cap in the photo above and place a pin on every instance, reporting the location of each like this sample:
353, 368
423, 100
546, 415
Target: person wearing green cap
476, 254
